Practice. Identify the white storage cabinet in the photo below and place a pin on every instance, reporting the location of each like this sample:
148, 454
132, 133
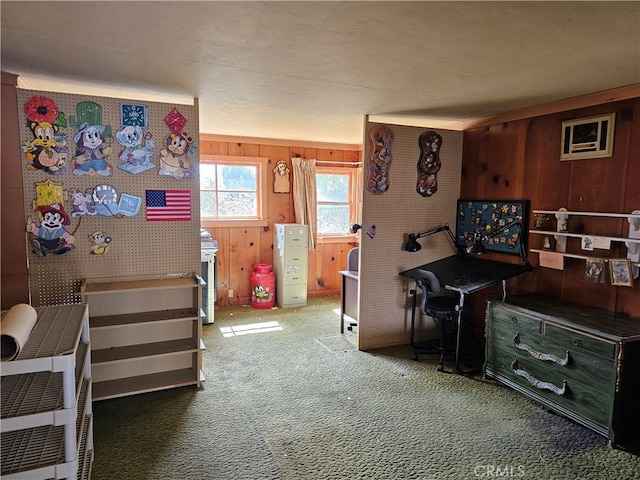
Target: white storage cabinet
290, 259
146, 333
47, 423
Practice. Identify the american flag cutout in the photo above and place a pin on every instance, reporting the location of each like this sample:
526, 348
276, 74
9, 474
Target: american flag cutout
168, 205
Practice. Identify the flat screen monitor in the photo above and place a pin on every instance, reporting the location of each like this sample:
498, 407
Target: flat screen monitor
485, 217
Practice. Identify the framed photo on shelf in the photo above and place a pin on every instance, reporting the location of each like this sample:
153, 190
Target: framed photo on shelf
620, 270
588, 137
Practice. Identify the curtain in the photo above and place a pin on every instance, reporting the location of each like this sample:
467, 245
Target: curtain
304, 196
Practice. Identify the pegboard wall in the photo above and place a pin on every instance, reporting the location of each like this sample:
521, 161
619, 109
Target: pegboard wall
105, 197
387, 219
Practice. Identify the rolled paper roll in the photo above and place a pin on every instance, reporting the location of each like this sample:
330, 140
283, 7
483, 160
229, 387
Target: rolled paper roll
15, 329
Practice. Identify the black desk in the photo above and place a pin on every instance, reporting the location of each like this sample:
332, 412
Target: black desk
465, 275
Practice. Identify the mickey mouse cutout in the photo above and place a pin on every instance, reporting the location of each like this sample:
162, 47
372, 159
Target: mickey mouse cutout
48, 150
51, 236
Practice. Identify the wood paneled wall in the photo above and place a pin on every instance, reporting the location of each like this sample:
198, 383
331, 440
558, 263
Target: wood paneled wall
15, 276
240, 248
521, 159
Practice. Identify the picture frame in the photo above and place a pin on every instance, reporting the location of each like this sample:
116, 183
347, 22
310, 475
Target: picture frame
590, 137
620, 271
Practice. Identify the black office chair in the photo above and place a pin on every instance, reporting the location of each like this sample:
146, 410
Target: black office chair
443, 309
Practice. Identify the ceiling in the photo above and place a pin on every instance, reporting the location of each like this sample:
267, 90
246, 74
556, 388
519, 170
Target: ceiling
312, 70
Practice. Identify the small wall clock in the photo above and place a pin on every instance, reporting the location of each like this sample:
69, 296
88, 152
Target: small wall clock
175, 121
134, 115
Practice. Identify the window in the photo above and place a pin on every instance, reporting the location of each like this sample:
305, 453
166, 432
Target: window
233, 191
337, 193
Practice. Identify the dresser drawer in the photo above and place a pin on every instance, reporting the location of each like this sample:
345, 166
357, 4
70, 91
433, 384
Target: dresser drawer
570, 338
518, 320
589, 403
565, 361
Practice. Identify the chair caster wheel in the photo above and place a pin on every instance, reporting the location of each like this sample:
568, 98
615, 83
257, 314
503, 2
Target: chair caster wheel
440, 368
415, 357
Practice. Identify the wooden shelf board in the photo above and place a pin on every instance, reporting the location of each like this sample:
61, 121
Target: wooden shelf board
144, 383
133, 318
582, 235
130, 352
590, 214
97, 287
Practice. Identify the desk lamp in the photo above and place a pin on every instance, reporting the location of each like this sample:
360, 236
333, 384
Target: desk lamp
413, 245
478, 248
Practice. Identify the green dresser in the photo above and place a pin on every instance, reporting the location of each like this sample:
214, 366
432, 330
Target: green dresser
581, 363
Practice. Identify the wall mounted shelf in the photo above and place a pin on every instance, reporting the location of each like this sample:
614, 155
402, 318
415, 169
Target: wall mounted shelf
583, 235
562, 235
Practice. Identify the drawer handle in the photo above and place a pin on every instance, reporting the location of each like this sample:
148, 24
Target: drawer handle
576, 341
538, 383
514, 319
545, 357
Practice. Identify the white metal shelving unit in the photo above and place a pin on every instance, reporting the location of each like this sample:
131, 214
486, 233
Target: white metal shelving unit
47, 423
146, 333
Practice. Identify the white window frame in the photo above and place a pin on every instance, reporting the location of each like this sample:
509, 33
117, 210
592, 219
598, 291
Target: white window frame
262, 163
355, 188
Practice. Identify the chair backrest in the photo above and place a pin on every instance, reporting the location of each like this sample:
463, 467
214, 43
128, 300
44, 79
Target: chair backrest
432, 282
352, 259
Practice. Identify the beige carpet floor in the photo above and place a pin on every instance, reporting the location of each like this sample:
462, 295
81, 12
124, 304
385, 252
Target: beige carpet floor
295, 400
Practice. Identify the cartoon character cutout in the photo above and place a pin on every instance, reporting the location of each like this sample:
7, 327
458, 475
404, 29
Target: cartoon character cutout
99, 242
138, 149
51, 236
281, 177
82, 203
47, 151
91, 153
174, 159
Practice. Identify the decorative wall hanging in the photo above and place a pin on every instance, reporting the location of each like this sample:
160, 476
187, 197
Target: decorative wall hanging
48, 150
620, 270
174, 159
281, 178
99, 242
134, 115
429, 163
51, 236
48, 193
138, 149
480, 217
175, 121
380, 159
129, 205
594, 270
82, 203
588, 137
168, 205
89, 113
91, 153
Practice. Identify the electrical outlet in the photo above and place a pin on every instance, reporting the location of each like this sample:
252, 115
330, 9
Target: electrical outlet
231, 293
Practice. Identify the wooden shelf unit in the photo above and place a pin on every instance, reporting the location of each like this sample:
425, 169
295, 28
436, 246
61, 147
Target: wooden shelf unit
559, 234
47, 423
147, 333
